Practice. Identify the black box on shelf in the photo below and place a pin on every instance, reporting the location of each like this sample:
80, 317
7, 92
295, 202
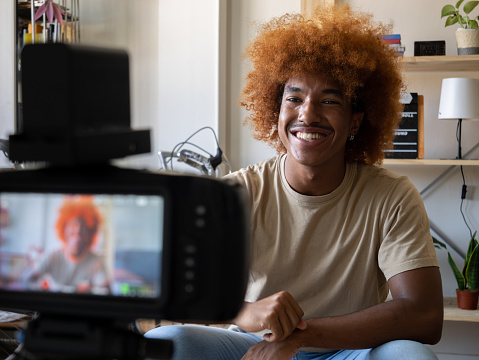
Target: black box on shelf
406, 141
429, 48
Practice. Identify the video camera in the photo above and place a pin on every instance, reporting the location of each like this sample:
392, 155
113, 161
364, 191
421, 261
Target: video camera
172, 246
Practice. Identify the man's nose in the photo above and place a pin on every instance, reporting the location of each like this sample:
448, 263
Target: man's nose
308, 113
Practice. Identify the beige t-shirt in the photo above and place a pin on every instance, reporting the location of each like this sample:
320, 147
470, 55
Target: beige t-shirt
333, 253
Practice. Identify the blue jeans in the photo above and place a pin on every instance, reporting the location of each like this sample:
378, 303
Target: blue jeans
210, 343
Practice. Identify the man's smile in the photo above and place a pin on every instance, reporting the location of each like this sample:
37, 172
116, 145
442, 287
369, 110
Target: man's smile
309, 136
310, 132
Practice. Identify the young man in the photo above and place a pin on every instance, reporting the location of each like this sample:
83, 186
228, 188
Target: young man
74, 264
332, 233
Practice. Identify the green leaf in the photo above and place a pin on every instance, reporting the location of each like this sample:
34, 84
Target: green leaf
470, 249
459, 3
448, 10
472, 271
470, 6
472, 24
438, 244
451, 20
461, 282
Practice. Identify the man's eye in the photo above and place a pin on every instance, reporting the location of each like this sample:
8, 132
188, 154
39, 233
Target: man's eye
329, 101
292, 99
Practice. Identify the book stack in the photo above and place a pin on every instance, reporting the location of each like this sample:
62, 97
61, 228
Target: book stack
394, 41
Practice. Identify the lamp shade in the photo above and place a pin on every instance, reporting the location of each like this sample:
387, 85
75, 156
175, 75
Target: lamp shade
459, 99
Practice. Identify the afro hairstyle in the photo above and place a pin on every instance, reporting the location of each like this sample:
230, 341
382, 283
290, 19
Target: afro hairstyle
344, 45
78, 207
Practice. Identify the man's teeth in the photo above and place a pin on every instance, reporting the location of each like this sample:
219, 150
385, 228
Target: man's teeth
309, 136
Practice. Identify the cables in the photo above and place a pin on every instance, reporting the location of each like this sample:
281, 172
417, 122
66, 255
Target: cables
207, 165
463, 196
464, 186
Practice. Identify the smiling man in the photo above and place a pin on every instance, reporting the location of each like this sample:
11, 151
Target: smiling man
332, 232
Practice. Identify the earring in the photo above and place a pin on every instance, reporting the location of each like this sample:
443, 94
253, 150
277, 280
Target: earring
351, 137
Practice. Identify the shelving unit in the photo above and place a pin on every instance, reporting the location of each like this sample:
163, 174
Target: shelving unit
441, 63
69, 32
432, 64
434, 162
453, 313
457, 63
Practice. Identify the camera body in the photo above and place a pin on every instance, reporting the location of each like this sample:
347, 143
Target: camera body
198, 248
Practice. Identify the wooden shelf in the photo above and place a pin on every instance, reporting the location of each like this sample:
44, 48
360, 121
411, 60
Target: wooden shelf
441, 63
436, 162
453, 313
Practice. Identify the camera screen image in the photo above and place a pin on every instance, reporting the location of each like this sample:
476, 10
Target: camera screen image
95, 244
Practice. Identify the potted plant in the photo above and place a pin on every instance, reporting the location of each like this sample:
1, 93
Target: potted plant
467, 280
467, 35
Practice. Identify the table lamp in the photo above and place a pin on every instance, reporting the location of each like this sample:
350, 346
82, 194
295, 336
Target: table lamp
459, 101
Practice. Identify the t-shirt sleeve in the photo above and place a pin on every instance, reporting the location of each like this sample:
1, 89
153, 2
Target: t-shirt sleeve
407, 243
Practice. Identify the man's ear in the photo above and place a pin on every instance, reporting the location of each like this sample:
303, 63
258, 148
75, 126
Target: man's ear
356, 122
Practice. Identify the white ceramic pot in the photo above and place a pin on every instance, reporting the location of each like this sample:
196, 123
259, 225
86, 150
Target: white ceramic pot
467, 41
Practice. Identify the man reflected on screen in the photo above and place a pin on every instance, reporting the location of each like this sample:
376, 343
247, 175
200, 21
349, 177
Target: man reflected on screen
74, 267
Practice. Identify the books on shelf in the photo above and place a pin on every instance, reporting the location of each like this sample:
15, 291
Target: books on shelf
394, 41
408, 142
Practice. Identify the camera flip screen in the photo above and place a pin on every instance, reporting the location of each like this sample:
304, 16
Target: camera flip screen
95, 244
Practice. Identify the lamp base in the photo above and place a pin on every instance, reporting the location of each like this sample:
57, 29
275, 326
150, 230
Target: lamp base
459, 130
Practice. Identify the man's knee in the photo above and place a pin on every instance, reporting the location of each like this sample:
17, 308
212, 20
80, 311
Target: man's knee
204, 342
170, 332
186, 339
402, 349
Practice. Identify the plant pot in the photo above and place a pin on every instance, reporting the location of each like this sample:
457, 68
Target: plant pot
467, 41
467, 299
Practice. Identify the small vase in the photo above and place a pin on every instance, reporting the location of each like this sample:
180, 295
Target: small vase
467, 41
467, 299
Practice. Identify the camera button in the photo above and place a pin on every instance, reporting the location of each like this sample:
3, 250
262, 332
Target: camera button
190, 275
200, 210
200, 223
190, 262
190, 249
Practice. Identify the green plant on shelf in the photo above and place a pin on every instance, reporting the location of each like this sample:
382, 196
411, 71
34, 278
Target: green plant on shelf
468, 278
454, 16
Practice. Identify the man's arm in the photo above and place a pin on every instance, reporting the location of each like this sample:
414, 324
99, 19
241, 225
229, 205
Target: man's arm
415, 313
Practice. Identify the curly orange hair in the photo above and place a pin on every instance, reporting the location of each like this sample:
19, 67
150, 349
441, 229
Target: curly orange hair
78, 207
347, 46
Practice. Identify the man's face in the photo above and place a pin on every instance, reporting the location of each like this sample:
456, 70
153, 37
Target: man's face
315, 120
78, 238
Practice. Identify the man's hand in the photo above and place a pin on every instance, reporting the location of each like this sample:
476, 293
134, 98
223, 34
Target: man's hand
280, 350
279, 313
